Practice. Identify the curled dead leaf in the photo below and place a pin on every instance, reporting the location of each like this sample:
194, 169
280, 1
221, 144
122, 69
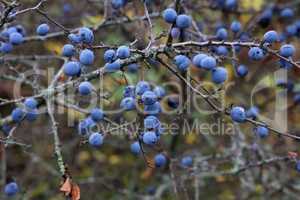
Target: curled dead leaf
70, 189
66, 187
75, 193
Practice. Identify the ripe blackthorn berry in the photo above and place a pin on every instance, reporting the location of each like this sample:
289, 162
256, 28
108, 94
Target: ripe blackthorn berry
182, 62
219, 75
170, 15
96, 139
11, 189
86, 57
85, 88
238, 114
43, 29
160, 160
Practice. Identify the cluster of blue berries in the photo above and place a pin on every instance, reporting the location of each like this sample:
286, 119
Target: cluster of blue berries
74, 68
150, 101
112, 58
84, 35
226, 5
28, 110
203, 61
11, 36
286, 50
239, 114
181, 21
142, 92
14, 36
88, 127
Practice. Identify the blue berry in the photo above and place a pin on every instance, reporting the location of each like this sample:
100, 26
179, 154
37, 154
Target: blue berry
117, 4
237, 48
85, 88
31, 114
67, 8
20, 29
230, 4
262, 131
72, 68
252, 112
150, 138
68, 50
141, 87
244, 37
86, 35
6, 129
183, 21
287, 50
153, 109
85, 126
271, 36
87, 57
159, 92
298, 165
160, 160
109, 55
128, 103
170, 15
182, 62
187, 161
222, 51
209, 63
296, 98
30, 103
173, 102
221, 34
112, 67
238, 114
242, 70
265, 17
291, 30
76, 39
256, 53
198, 59
135, 148
129, 91
6, 47
123, 52
96, 139
287, 13
43, 29
149, 98
175, 33
151, 122
11, 189
219, 25
97, 114
285, 64
16, 38
235, 26
219, 75
6, 32
133, 67
288, 84
150, 190
17, 115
